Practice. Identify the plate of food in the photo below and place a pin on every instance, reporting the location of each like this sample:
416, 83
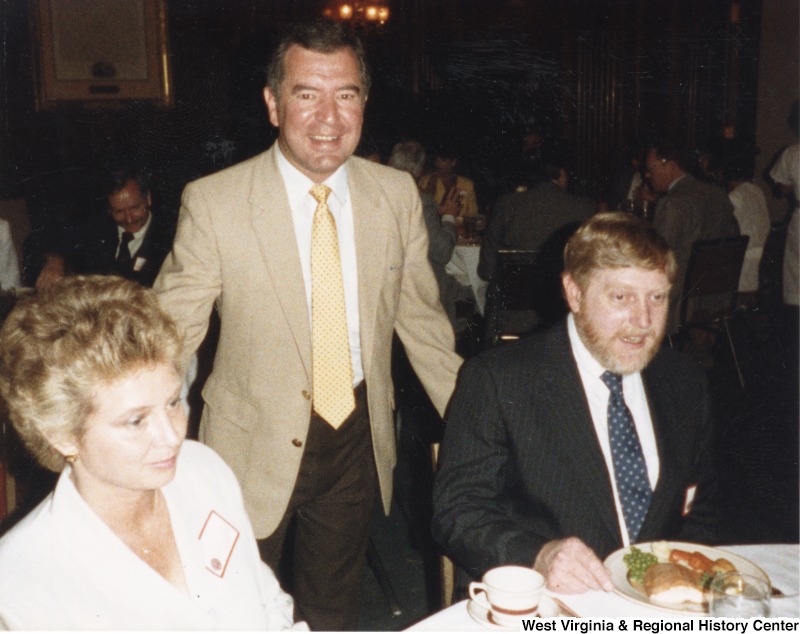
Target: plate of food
673, 575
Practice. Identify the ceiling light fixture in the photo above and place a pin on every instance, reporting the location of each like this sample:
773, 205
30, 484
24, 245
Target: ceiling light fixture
358, 12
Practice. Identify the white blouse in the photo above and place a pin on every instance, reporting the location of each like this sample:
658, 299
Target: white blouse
62, 568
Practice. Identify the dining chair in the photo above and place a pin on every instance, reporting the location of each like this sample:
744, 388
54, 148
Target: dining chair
711, 289
446, 566
513, 296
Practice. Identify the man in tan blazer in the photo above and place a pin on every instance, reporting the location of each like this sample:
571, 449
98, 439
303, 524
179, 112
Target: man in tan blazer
243, 244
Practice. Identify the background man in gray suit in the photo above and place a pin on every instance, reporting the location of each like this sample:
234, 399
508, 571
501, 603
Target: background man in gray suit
528, 471
528, 218
244, 242
691, 210
440, 221
540, 218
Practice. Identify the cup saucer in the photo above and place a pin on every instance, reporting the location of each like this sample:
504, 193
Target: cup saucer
547, 608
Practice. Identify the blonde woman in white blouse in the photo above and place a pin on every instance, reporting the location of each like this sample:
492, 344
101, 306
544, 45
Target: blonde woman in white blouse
144, 529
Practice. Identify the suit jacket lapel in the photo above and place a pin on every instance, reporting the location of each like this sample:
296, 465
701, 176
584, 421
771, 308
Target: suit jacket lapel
274, 231
147, 243
571, 408
371, 218
662, 414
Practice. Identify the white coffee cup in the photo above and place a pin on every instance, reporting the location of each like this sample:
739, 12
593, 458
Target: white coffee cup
508, 593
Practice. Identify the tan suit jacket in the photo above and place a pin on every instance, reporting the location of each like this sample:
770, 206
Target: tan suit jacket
236, 246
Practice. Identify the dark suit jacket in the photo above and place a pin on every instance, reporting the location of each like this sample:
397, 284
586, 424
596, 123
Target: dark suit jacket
526, 220
96, 250
521, 465
691, 211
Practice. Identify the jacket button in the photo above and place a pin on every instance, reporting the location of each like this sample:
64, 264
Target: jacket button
306, 395
297, 442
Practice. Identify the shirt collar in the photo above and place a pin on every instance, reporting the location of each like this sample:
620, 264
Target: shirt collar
298, 185
675, 182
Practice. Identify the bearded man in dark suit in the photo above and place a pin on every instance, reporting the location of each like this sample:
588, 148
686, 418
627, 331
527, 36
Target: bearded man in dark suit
528, 471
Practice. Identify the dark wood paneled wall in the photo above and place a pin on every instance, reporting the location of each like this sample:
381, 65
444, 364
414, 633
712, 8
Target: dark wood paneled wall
630, 71
594, 74
678, 70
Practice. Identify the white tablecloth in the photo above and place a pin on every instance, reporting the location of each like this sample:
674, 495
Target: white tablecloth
464, 267
780, 561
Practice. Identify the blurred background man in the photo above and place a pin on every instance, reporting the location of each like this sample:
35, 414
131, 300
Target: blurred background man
689, 210
127, 240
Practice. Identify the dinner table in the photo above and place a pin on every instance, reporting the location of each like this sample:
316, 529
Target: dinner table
781, 563
463, 266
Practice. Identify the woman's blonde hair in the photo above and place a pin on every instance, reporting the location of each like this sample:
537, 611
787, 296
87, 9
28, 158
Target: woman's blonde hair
57, 346
615, 240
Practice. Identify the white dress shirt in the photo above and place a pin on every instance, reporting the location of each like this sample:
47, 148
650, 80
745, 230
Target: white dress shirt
597, 395
636, 182
302, 203
136, 242
786, 171
752, 214
9, 264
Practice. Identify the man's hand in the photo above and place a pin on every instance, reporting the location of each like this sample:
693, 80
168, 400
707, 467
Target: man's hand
52, 271
571, 567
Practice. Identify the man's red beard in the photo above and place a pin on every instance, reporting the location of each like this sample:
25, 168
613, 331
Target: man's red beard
603, 352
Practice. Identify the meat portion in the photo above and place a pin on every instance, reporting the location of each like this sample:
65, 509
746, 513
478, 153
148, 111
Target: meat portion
672, 583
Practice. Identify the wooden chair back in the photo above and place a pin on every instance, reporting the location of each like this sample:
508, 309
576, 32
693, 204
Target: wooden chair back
513, 288
712, 280
446, 567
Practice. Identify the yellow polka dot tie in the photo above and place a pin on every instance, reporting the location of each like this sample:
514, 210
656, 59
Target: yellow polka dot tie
332, 366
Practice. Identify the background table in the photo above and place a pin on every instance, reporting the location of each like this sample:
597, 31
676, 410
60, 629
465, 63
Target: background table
780, 561
464, 267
